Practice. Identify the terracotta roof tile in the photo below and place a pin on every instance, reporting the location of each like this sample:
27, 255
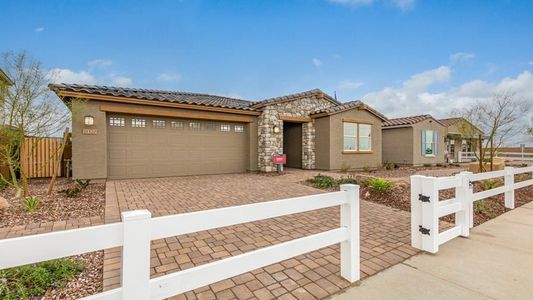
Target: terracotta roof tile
290, 97
449, 121
406, 121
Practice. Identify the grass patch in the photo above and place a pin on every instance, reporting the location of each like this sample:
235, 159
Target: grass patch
322, 181
30, 281
380, 184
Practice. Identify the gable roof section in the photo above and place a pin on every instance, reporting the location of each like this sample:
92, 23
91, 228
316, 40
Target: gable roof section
408, 121
5, 78
344, 107
312, 93
451, 121
151, 95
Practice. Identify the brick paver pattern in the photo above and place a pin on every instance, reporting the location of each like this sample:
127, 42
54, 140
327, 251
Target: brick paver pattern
385, 235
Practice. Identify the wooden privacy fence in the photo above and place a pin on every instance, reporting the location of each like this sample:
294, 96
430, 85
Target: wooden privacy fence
427, 208
137, 229
39, 156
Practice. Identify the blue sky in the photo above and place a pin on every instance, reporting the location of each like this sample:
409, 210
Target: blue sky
401, 56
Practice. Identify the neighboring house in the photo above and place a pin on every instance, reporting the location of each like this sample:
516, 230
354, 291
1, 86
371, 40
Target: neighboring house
415, 140
461, 135
137, 133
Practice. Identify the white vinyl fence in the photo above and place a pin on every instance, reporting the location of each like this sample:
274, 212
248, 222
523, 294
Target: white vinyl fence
137, 229
426, 207
510, 156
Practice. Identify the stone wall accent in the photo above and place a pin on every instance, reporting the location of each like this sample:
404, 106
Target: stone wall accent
269, 142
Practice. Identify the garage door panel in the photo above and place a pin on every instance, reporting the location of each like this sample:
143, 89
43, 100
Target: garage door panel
157, 152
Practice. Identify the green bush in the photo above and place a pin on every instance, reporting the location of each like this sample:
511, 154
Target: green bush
389, 165
489, 184
380, 184
75, 191
367, 169
83, 183
31, 281
347, 180
323, 181
31, 203
345, 167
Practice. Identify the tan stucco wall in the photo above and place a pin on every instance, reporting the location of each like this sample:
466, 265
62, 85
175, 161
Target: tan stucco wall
322, 142
398, 145
418, 158
89, 152
336, 142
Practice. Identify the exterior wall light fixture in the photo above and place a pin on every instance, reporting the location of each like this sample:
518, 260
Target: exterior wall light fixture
276, 129
89, 120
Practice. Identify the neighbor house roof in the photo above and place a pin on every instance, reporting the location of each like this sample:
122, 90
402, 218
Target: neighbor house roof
5, 78
408, 121
344, 107
154, 95
312, 93
451, 121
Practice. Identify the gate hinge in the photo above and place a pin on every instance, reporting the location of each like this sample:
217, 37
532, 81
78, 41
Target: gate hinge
423, 198
423, 230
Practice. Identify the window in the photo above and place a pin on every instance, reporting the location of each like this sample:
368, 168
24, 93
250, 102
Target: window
210, 126
428, 142
176, 124
140, 123
195, 126
239, 128
357, 137
116, 121
225, 127
158, 123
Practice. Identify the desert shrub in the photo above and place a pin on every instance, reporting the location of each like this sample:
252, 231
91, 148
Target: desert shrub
367, 169
380, 184
389, 165
31, 203
83, 183
345, 167
347, 180
73, 192
489, 184
427, 165
323, 181
31, 281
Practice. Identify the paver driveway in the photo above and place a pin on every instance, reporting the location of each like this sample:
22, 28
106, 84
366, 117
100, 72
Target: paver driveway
384, 234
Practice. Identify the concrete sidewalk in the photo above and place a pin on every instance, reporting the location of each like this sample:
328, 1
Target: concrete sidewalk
495, 262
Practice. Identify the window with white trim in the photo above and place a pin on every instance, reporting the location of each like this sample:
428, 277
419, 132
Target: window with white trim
239, 128
195, 126
176, 124
158, 123
357, 136
429, 145
138, 123
117, 121
225, 127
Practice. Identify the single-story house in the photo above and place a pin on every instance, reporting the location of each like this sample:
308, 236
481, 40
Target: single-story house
461, 136
415, 140
138, 133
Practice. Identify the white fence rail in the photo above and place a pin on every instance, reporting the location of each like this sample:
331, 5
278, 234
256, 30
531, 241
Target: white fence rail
137, 229
511, 156
427, 208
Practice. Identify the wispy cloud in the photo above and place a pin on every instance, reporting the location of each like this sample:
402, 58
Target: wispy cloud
530, 63
99, 63
121, 81
39, 29
461, 57
168, 77
96, 74
400, 4
350, 85
353, 3
403, 4
317, 62
58, 75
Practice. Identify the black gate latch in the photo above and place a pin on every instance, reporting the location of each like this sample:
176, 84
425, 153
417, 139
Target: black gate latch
423, 230
423, 198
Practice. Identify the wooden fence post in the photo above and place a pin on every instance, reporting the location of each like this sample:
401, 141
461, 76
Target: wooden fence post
136, 255
509, 187
416, 211
429, 226
463, 194
350, 249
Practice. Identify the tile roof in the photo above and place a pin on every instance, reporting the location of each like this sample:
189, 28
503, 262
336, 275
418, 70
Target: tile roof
449, 121
155, 95
310, 93
407, 121
5, 78
340, 107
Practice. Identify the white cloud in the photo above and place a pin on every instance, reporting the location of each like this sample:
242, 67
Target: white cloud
350, 85
461, 57
353, 3
121, 81
317, 62
403, 4
400, 4
530, 63
99, 63
168, 77
58, 75
39, 29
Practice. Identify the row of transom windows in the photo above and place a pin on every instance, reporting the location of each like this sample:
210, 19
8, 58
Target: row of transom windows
142, 123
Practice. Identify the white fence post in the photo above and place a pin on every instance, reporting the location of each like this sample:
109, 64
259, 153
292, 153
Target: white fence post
416, 211
350, 249
509, 187
430, 222
136, 255
463, 194
459, 156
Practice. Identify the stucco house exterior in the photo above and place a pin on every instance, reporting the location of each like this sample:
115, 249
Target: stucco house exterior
461, 136
415, 140
140, 133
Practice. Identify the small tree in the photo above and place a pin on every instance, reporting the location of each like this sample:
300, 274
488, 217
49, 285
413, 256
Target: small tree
27, 110
498, 118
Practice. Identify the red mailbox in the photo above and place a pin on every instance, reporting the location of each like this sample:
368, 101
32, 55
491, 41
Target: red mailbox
279, 159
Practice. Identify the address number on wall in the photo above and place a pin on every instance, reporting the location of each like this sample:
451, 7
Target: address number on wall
90, 131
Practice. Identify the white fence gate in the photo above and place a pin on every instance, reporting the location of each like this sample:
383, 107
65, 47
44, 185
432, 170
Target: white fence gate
137, 229
426, 207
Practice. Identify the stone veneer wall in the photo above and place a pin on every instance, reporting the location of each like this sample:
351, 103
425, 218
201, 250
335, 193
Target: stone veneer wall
270, 141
